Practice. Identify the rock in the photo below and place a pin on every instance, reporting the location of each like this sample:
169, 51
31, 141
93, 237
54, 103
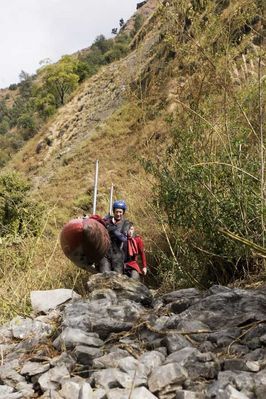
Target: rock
193, 325
14, 395
123, 287
44, 301
110, 360
197, 364
104, 293
54, 378
151, 360
257, 354
101, 316
137, 393
5, 333
263, 339
253, 366
135, 369
24, 327
87, 367
71, 337
99, 394
224, 337
33, 368
9, 374
86, 354
76, 388
189, 395
231, 393
169, 374
234, 364
231, 307
64, 359
111, 378
25, 389
51, 394
5, 390
175, 341
188, 293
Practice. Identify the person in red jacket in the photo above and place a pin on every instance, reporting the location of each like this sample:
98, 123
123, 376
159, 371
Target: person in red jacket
133, 248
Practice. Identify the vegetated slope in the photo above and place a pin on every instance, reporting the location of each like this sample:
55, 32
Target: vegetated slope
104, 120
130, 109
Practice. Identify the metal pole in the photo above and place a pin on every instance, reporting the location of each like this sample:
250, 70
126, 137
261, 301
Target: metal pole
95, 187
111, 199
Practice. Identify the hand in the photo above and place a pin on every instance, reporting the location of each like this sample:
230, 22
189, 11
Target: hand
144, 270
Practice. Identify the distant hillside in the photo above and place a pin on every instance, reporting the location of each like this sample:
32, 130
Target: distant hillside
27, 106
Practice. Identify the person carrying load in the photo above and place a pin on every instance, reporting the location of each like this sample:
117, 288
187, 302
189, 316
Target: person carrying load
117, 227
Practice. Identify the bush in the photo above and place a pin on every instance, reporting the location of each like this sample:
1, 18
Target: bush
13, 86
19, 215
138, 22
4, 157
4, 125
102, 44
209, 178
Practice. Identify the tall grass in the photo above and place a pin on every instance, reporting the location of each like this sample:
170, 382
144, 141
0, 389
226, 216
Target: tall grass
211, 179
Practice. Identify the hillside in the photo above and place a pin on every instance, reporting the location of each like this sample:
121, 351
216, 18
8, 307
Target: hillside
187, 87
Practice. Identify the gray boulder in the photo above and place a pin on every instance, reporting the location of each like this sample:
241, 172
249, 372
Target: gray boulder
44, 301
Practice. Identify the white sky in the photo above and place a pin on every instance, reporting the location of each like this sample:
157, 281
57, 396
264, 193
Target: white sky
32, 30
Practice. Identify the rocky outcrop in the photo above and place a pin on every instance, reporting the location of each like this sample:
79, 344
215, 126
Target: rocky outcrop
121, 342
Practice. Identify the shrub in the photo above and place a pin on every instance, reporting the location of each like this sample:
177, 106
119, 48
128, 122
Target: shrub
4, 125
138, 22
19, 215
209, 180
13, 86
4, 157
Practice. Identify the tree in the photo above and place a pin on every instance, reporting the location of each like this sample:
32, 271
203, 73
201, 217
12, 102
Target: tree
25, 85
61, 79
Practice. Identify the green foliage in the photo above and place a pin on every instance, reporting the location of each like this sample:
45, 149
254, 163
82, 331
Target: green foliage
119, 49
4, 157
102, 44
13, 86
61, 79
138, 22
4, 125
209, 178
25, 85
45, 104
38, 99
19, 215
83, 203
27, 122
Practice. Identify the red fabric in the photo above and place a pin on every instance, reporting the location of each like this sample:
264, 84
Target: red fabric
132, 246
99, 219
135, 248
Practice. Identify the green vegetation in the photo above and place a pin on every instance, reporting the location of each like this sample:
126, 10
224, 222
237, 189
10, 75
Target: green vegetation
211, 179
19, 215
38, 97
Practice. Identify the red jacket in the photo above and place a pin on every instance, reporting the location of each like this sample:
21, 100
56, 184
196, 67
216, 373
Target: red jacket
135, 247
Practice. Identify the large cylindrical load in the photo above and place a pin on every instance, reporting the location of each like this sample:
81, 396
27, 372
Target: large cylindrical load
84, 241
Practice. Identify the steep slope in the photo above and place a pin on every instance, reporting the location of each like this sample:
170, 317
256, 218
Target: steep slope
190, 85
101, 122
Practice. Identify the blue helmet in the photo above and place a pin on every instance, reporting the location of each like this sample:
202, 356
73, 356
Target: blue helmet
120, 205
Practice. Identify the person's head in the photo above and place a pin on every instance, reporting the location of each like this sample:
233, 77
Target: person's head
119, 208
131, 230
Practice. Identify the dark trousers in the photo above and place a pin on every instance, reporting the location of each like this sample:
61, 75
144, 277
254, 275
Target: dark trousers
113, 261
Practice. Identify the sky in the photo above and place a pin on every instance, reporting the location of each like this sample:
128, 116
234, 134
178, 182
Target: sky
34, 30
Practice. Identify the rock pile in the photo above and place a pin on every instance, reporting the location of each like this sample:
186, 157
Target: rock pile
122, 343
